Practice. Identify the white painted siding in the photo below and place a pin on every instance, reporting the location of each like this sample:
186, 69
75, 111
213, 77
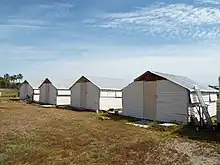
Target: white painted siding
64, 97
36, 91
207, 97
52, 95
36, 98
172, 102
48, 94
119, 94
44, 89
64, 92
108, 103
133, 100
25, 90
195, 99
213, 97
107, 94
63, 100
212, 108
111, 94
92, 97
75, 95
150, 100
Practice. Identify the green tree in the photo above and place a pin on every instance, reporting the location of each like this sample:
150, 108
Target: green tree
15, 78
6, 76
7, 80
20, 77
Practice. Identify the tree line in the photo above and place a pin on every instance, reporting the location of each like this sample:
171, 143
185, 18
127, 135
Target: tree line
11, 81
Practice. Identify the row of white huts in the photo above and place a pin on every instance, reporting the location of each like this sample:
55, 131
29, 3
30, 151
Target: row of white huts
153, 95
86, 93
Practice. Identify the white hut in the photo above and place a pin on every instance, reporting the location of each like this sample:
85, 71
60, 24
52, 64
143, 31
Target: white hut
164, 97
29, 90
54, 93
96, 93
26, 91
218, 110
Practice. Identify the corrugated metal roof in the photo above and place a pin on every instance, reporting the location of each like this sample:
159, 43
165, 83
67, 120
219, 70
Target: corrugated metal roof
61, 83
35, 83
184, 81
107, 83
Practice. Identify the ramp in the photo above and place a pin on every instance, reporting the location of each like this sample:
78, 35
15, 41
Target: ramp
203, 106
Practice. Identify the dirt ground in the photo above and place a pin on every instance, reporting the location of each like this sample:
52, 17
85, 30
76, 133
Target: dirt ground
33, 135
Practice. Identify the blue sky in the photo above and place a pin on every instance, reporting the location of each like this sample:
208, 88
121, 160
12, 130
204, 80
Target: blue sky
119, 39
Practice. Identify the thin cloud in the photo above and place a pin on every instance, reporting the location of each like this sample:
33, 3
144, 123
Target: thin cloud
28, 21
23, 26
212, 2
40, 15
56, 5
171, 21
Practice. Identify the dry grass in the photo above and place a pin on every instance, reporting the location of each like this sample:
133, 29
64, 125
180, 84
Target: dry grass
9, 92
33, 135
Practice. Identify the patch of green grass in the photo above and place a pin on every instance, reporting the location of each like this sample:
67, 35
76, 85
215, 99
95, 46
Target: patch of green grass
9, 92
214, 119
115, 117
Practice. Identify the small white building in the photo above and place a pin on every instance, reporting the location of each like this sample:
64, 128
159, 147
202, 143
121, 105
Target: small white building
54, 93
29, 90
96, 93
218, 110
26, 90
164, 97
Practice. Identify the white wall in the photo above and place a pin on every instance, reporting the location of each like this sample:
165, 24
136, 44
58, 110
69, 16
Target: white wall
212, 108
119, 94
107, 93
195, 99
63, 100
108, 103
213, 97
150, 100
36, 98
110, 99
92, 97
52, 95
75, 95
44, 93
209, 98
132, 99
36, 91
172, 102
25, 90
48, 94
64, 92
63, 97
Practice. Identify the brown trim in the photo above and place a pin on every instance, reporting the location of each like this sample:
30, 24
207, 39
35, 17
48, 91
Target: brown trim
148, 76
46, 81
25, 82
82, 79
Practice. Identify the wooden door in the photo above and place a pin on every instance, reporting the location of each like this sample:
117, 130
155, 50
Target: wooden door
150, 100
83, 94
47, 93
